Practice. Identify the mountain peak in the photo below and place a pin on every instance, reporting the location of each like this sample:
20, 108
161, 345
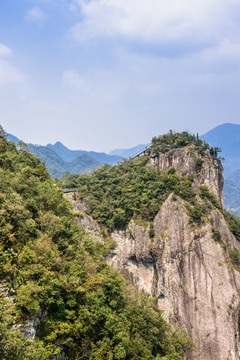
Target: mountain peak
57, 145
224, 130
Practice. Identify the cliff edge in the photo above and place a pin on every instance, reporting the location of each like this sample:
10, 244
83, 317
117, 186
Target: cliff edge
186, 257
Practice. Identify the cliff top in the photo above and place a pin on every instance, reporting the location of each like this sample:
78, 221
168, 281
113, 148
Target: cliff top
173, 140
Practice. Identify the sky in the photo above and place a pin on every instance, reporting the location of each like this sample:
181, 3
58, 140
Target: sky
106, 74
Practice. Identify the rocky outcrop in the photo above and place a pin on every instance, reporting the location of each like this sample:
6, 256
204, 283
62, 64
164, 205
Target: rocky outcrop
204, 169
189, 274
86, 221
30, 328
182, 266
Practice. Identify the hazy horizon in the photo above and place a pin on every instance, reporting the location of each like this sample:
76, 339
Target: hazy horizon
100, 75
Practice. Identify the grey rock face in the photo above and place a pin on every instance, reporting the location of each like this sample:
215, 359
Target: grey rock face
86, 221
30, 328
188, 273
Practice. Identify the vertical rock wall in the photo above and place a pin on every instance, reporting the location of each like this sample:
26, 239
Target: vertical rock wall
188, 273
203, 169
183, 267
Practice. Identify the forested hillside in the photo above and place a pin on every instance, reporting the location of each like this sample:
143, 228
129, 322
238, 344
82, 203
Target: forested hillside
174, 240
51, 271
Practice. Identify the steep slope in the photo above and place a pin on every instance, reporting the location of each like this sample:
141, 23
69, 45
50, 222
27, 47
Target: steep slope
189, 274
58, 297
173, 239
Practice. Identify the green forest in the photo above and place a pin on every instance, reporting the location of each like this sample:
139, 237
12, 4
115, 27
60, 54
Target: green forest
50, 268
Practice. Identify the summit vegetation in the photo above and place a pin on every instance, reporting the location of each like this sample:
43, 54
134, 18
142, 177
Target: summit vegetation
173, 140
114, 195
51, 269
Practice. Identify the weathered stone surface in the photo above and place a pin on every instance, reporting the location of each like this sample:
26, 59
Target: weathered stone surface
30, 328
184, 160
183, 267
86, 221
188, 273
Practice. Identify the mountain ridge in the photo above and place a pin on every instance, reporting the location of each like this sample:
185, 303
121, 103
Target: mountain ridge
59, 159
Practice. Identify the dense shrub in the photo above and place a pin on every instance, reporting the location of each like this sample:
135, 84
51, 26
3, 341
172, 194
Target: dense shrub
116, 194
166, 142
233, 223
235, 256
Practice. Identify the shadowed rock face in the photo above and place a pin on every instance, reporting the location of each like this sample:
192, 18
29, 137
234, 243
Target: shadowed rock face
183, 267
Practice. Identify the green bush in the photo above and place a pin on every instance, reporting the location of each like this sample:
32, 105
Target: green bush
199, 162
166, 142
216, 235
151, 231
233, 223
235, 256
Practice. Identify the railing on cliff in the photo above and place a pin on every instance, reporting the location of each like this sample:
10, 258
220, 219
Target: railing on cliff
214, 151
68, 190
142, 152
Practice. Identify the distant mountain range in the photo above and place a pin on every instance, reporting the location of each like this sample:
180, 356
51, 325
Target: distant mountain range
59, 159
227, 137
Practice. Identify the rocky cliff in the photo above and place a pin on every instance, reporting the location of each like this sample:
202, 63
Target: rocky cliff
203, 168
189, 274
186, 266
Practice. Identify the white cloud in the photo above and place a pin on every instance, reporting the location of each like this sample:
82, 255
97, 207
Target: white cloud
9, 75
155, 20
4, 50
73, 79
226, 50
36, 14
73, 6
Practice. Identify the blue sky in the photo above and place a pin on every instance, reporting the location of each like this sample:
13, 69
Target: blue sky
104, 74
